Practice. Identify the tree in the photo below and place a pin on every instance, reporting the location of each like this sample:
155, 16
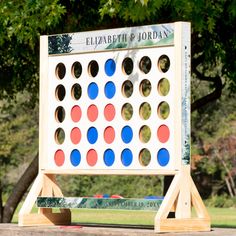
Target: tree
21, 23
18, 143
212, 47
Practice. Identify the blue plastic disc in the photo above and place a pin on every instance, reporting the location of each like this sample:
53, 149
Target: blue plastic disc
92, 135
127, 134
110, 89
92, 90
110, 67
163, 157
126, 157
109, 157
75, 157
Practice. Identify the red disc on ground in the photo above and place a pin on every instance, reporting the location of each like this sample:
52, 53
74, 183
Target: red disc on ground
75, 135
92, 113
109, 134
109, 112
92, 157
76, 113
163, 133
59, 157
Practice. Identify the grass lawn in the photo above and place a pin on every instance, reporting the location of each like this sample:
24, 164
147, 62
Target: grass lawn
220, 217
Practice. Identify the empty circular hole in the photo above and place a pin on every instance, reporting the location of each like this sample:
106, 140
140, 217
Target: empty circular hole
76, 69
164, 63
60, 71
127, 66
145, 87
144, 134
127, 111
127, 88
144, 157
163, 87
60, 92
163, 110
145, 110
93, 68
145, 64
76, 91
60, 114
59, 136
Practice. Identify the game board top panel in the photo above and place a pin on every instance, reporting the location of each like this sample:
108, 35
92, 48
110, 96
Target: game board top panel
112, 39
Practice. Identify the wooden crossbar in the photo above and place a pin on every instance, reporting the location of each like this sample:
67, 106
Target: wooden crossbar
99, 203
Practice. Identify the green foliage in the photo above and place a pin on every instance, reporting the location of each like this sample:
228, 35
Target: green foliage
21, 23
209, 42
222, 201
18, 139
214, 141
126, 186
59, 44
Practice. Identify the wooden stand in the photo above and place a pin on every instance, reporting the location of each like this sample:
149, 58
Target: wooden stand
181, 196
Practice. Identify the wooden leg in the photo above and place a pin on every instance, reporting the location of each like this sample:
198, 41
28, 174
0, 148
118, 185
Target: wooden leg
44, 185
184, 192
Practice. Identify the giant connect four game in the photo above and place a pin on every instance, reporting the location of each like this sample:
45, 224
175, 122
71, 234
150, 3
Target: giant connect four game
113, 101
116, 102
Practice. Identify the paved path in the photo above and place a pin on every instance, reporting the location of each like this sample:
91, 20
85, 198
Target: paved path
14, 230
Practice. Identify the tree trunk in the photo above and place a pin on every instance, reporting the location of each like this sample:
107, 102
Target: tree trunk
1, 204
19, 190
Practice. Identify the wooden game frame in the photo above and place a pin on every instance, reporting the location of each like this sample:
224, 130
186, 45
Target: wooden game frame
182, 194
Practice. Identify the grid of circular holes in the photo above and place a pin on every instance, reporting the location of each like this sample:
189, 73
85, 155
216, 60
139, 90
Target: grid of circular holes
60, 92
60, 114
76, 91
127, 88
145, 64
145, 134
145, 110
76, 69
144, 157
127, 111
93, 68
163, 110
163, 63
127, 66
163, 87
59, 136
145, 87
60, 71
